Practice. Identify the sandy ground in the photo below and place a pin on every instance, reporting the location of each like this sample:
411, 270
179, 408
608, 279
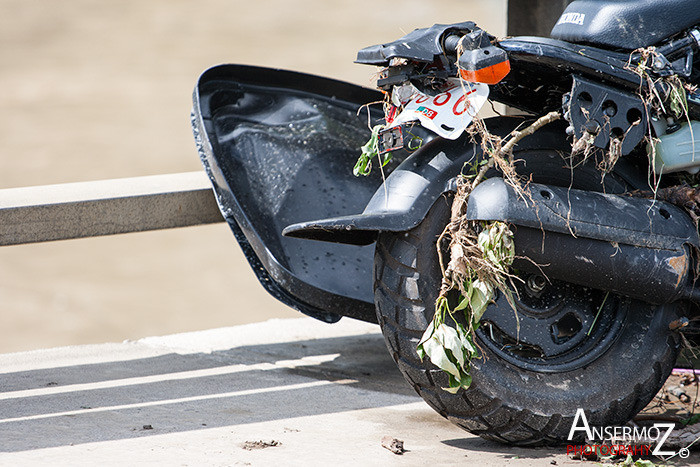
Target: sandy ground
93, 90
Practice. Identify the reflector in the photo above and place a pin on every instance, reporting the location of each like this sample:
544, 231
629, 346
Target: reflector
489, 75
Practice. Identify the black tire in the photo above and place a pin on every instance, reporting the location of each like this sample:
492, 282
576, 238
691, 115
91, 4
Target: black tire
512, 400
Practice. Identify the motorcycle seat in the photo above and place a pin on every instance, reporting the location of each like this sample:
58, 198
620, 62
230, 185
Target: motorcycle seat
625, 24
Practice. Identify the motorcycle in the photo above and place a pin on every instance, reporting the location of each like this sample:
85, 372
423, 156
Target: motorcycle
606, 265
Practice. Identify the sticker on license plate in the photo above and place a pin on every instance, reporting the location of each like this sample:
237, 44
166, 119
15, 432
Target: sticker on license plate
449, 112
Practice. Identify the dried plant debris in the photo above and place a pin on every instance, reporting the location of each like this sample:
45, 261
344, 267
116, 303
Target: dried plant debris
664, 93
583, 148
478, 265
499, 151
260, 444
664, 99
392, 444
684, 196
480, 255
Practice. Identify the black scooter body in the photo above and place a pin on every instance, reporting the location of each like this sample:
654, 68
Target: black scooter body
280, 146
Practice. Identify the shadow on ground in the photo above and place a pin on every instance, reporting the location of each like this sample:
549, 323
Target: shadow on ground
174, 392
155, 391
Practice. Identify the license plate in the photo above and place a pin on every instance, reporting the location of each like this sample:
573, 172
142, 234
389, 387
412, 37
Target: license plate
449, 112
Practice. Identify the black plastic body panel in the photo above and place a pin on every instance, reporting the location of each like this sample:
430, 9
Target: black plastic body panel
407, 195
625, 24
542, 70
622, 219
421, 45
414, 186
279, 148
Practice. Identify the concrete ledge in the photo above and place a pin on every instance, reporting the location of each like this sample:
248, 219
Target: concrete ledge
326, 393
106, 207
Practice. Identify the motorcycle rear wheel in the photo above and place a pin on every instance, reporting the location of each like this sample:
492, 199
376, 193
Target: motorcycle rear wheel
517, 396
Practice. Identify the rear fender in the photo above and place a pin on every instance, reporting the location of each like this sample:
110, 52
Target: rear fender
279, 147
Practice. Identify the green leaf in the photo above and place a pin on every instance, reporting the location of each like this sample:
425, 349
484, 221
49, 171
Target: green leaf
629, 461
432, 343
454, 385
421, 352
509, 246
427, 335
363, 166
644, 463
483, 240
679, 103
463, 304
466, 381
465, 339
439, 357
452, 348
387, 158
448, 337
481, 294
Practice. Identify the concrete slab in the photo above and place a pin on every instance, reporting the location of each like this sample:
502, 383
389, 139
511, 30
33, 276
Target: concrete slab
325, 393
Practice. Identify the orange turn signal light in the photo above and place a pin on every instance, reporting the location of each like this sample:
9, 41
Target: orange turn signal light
489, 75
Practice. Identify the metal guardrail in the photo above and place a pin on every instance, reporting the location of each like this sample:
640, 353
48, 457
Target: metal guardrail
106, 207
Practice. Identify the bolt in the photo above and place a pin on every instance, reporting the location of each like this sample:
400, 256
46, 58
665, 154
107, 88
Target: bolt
592, 127
536, 283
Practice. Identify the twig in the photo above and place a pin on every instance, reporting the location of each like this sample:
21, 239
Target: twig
516, 136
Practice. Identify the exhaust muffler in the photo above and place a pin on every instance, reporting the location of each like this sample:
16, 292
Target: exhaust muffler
635, 247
